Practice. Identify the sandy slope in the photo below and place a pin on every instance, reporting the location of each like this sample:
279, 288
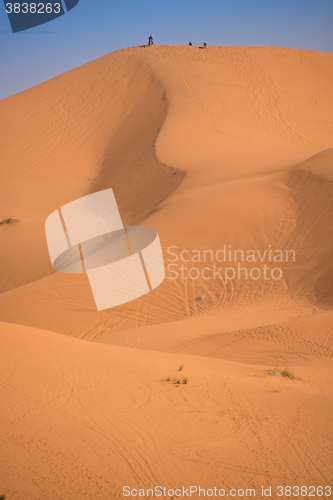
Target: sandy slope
82, 420
224, 146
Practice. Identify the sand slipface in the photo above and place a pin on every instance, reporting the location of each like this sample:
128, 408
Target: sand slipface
222, 150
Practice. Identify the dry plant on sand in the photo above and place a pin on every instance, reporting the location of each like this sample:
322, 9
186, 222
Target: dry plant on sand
9, 220
175, 380
283, 373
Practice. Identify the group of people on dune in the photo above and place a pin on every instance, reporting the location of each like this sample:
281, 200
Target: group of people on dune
204, 44
151, 42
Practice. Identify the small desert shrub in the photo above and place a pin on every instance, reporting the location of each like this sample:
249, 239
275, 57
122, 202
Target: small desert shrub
9, 220
177, 381
274, 372
2, 497
289, 374
180, 368
283, 373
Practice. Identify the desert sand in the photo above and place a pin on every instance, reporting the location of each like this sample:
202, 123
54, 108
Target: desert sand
221, 146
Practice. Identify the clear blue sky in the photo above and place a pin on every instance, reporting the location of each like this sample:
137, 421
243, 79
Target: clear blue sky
95, 27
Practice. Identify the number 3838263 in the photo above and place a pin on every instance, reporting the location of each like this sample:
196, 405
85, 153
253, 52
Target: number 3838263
33, 8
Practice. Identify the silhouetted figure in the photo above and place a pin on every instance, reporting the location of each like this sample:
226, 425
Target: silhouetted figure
205, 44
190, 43
150, 40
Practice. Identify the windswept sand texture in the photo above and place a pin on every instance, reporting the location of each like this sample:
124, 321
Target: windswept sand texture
220, 146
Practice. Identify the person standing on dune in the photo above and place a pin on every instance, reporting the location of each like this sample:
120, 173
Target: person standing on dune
150, 40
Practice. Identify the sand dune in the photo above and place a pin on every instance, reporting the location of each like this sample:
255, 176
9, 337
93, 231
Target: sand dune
226, 147
84, 420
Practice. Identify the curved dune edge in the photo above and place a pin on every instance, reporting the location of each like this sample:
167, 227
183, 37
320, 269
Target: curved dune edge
311, 188
89, 129
112, 112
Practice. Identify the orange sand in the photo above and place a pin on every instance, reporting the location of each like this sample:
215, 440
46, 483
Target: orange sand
222, 146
